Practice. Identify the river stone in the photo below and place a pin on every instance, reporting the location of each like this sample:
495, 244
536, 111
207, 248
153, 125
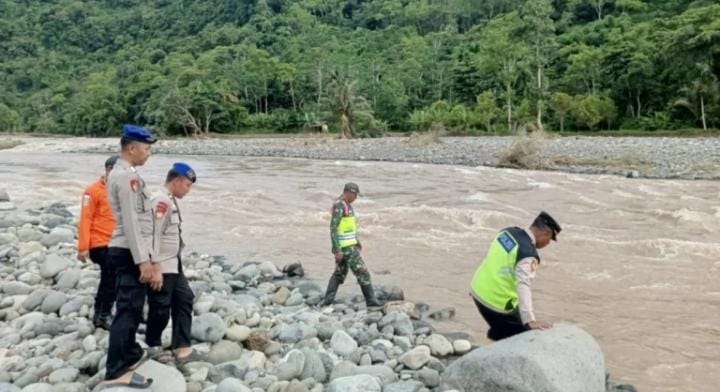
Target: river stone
342, 344
416, 358
402, 306
63, 375
429, 377
53, 264
562, 359
68, 279
38, 387
165, 378
381, 372
6, 387
439, 345
404, 386
8, 239
224, 351
208, 327
461, 346
28, 234
238, 333
30, 278
232, 385
16, 288
53, 302
58, 235
281, 296
358, 383
313, 366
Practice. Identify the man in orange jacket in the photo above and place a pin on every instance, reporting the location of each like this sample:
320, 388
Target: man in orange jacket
97, 223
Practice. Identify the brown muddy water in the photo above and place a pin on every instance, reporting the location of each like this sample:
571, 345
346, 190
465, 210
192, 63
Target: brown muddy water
637, 264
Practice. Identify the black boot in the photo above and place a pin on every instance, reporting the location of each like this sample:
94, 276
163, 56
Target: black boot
369, 294
332, 289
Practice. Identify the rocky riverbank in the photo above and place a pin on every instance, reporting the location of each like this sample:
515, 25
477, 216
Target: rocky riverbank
258, 325
646, 157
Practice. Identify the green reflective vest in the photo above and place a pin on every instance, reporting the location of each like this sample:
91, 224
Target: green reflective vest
347, 228
494, 282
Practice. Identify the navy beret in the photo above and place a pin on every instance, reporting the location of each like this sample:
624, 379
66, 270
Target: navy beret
185, 170
138, 134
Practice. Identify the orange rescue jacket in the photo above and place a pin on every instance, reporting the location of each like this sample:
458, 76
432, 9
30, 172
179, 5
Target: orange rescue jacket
97, 221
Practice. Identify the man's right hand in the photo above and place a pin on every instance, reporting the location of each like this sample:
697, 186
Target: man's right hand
156, 281
339, 257
538, 324
146, 271
83, 255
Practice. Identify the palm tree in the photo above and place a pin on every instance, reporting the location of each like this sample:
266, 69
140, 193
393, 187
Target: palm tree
345, 102
700, 89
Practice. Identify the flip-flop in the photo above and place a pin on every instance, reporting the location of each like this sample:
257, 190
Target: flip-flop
192, 357
136, 382
162, 356
145, 356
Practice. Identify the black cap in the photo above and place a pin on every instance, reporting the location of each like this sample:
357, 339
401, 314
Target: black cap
351, 187
545, 220
110, 162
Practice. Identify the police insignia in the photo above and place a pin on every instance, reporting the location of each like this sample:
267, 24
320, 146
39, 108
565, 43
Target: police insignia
134, 184
161, 209
86, 200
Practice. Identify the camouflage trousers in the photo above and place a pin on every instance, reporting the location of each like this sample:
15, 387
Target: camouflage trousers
354, 262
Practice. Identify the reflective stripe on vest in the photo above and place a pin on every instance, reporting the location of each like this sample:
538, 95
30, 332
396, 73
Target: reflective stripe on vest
347, 229
494, 281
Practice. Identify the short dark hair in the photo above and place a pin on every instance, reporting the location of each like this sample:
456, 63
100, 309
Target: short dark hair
171, 175
125, 143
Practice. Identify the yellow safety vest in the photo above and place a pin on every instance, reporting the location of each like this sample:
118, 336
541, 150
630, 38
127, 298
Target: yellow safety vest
347, 229
494, 282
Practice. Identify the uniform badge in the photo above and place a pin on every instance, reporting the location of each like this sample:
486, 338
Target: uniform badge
134, 184
86, 200
161, 209
534, 265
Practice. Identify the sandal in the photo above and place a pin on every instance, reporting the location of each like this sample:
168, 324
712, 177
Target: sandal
160, 355
194, 356
136, 382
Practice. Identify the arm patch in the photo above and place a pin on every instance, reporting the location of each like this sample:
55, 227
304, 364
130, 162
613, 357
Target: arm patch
161, 209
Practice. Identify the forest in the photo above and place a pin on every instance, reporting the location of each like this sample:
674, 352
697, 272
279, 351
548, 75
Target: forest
362, 67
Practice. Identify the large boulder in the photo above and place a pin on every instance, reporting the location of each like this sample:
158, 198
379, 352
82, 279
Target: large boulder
562, 359
208, 327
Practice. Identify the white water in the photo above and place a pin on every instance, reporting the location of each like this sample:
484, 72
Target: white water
637, 264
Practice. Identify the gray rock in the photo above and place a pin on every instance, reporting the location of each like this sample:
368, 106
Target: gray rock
51, 220
208, 327
562, 359
358, 383
381, 372
248, 272
28, 234
404, 386
74, 305
294, 300
8, 239
399, 321
342, 344
58, 235
4, 195
224, 351
326, 329
461, 346
38, 387
165, 378
30, 278
16, 288
313, 366
63, 375
236, 369
439, 345
6, 206
68, 279
6, 387
293, 333
53, 301
232, 385
238, 333
416, 358
53, 265
429, 377
307, 287
292, 365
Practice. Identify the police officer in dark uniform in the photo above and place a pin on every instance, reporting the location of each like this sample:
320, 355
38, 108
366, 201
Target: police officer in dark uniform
129, 252
176, 297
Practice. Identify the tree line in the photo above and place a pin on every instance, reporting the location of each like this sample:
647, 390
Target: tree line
362, 66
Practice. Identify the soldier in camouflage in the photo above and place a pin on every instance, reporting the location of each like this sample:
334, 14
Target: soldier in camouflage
346, 248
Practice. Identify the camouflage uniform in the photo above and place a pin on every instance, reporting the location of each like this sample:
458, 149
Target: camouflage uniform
352, 259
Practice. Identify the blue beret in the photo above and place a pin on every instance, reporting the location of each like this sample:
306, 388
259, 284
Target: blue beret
138, 134
185, 170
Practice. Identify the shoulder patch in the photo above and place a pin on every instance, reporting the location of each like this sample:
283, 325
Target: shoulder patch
161, 209
134, 184
86, 200
507, 242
